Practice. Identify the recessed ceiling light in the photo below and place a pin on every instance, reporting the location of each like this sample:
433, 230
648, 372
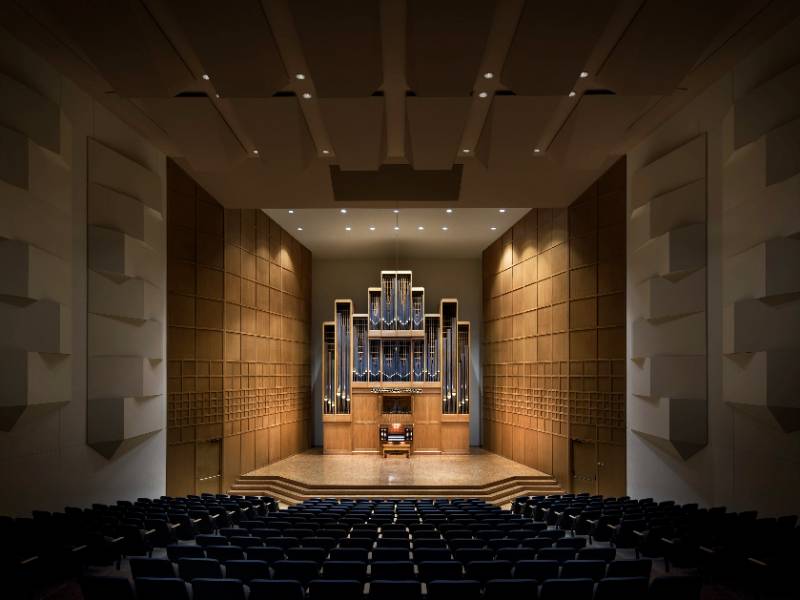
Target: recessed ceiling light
501, 210
493, 228
444, 228
348, 228
326, 151
255, 152
483, 95
449, 211
420, 228
372, 228
397, 228
466, 150
306, 95
291, 211
572, 94
584, 74
299, 229
536, 150
299, 76
343, 211
396, 211
206, 76
488, 75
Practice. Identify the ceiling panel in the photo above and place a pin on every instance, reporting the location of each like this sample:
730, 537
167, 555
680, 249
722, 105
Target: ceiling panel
278, 131
357, 131
551, 45
435, 127
446, 41
396, 183
663, 43
342, 45
125, 44
234, 43
198, 130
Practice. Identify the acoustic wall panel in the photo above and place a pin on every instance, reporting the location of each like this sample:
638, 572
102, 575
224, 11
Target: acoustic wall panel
125, 333
667, 311
761, 226
35, 253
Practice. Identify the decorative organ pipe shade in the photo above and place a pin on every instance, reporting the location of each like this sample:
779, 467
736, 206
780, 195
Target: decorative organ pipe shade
388, 299
432, 346
450, 369
668, 402
125, 332
375, 308
463, 368
418, 359
35, 254
403, 301
360, 349
417, 308
344, 310
328, 367
375, 361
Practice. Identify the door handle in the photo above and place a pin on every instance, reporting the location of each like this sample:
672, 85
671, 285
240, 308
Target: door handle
601, 464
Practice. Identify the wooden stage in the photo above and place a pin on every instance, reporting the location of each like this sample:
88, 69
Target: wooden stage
479, 474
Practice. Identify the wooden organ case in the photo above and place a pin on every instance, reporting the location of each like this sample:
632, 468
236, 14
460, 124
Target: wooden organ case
395, 365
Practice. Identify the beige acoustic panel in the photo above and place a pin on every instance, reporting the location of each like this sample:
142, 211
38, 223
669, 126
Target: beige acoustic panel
445, 45
125, 44
679, 166
125, 376
668, 211
119, 211
234, 43
32, 273
357, 131
768, 269
118, 254
336, 36
674, 253
278, 130
31, 114
678, 426
766, 380
661, 297
198, 129
754, 325
130, 298
112, 336
668, 376
551, 45
638, 63
684, 335
768, 106
116, 171
39, 326
435, 127
594, 129
115, 425
33, 383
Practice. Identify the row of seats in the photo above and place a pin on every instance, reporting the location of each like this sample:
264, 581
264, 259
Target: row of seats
632, 588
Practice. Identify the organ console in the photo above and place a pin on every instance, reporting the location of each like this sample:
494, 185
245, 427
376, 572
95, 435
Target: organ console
396, 359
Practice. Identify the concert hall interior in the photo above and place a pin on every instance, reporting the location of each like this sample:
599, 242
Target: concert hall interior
376, 299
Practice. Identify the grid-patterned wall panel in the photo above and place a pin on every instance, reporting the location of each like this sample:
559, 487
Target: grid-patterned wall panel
238, 340
554, 342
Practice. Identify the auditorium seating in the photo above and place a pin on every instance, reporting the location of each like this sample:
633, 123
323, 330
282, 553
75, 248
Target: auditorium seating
247, 548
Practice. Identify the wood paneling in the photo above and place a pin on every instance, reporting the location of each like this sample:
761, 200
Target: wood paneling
238, 361
554, 343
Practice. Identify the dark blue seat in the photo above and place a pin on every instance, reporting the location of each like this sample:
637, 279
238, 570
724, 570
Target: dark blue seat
484, 570
630, 568
463, 589
225, 553
509, 589
269, 554
359, 554
536, 569
468, 555
583, 569
217, 589
151, 567
192, 568
211, 540
335, 589
273, 589
98, 587
175, 552
393, 569
307, 553
386, 554
301, 570
245, 541
356, 542
345, 569
567, 589
430, 570
382, 589
429, 543
516, 554
429, 554
604, 554
161, 588
621, 588
559, 554
319, 542
246, 570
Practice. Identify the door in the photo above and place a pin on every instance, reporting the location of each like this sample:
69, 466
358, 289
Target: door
611, 470
584, 466
208, 471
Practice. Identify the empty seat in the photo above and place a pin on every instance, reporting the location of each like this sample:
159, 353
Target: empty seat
269, 554
467, 555
395, 533
211, 540
335, 589
621, 588
553, 534
459, 543
225, 553
427, 554
462, 589
667, 587
439, 569
315, 554
244, 541
151, 567
384, 554
511, 589
630, 568
559, 554
583, 569
536, 542
606, 554
160, 588
319, 542
247, 570
567, 589
217, 589
429, 543
536, 569
175, 552
192, 568
356, 542
382, 589
569, 542
345, 569
98, 587
516, 554
301, 570
392, 543
394, 569
266, 589
359, 554
484, 570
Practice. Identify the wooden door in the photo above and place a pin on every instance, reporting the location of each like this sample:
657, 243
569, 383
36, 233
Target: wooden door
584, 466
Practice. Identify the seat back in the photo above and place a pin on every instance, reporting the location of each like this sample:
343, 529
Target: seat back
193, 568
151, 567
217, 589
583, 569
507, 589
161, 588
463, 589
536, 569
246, 570
335, 589
567, 589
621, 588
345, 569
393, 569
270, 589
484, 570
383, 589
439, 569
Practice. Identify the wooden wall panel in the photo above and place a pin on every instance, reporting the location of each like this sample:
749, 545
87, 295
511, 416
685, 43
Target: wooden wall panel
554, 321
238, 333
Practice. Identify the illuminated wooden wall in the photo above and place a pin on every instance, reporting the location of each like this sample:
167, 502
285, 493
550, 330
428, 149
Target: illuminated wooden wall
238, 340
554, 340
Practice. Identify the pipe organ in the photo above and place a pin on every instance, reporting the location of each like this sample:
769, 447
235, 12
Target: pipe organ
396, 350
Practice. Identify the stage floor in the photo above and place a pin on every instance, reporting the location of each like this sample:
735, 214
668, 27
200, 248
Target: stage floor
479, 468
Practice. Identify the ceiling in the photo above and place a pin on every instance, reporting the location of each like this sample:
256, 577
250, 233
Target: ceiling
324, 230
400, 109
